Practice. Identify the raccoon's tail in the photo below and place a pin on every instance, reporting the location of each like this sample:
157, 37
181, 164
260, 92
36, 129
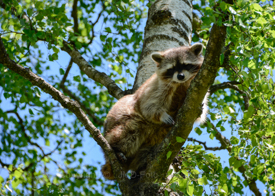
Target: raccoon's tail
107, 171
203, 117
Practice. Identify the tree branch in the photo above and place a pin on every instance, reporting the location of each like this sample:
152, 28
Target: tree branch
96, 21
232, 85
73, 96
4, 164
204, 145
24, 130
74, 16
71, 105
92, 73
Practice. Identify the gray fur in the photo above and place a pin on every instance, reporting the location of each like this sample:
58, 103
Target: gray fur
138, 122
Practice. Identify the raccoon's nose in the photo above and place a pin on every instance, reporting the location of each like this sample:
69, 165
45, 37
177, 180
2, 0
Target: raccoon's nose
181, 76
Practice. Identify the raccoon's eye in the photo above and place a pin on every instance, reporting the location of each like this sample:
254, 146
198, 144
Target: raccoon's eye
170, 71
188, 67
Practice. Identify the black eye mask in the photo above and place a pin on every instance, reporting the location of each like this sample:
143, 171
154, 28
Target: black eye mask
188, 67
180, 67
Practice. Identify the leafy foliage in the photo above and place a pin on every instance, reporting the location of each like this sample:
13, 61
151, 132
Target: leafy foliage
42, 145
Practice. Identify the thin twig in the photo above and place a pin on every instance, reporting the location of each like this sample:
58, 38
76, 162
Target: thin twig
74, 15
73, 96
21, 122
232, 85
204, 145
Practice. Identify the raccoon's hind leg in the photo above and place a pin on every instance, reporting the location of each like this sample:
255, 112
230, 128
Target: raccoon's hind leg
126, 138
107, 170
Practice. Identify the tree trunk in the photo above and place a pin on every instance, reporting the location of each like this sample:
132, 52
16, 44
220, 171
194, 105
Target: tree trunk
169, 25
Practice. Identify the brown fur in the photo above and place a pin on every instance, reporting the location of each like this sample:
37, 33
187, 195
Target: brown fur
139, 121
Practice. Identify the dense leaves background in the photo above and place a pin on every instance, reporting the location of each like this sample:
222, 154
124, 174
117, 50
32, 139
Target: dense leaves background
42, 144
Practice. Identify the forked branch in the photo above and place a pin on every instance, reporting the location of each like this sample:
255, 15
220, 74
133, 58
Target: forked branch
69, 104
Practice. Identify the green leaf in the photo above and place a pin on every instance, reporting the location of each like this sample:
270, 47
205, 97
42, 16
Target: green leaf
198, 131
168, 154
169, 172
47, 142
54, 56
256, 7
16, 182
190, 189
30, 111
180, 140
224, 189
76, 78
1, 180
234, 140
223, 6
17, 173
61, 71
252, 159
251, 111
55, 49
108, 30
203, 181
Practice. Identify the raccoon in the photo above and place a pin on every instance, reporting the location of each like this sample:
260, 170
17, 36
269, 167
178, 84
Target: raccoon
139, 121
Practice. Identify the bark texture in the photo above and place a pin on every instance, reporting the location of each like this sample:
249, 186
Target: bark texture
169, 25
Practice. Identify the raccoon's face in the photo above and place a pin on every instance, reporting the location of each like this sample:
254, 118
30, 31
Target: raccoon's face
178, 64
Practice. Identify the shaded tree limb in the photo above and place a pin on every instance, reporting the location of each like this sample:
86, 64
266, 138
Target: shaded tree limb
73, 96
44, 155
227, 54
92, 73
232, 85
74, 16
28, 138
66, 73
96, 21
205, 146
71, 105
225, 143
191, 107
4, 164
32, 183
223, 85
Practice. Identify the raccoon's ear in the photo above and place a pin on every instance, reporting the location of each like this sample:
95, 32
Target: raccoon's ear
157, 57
197, 48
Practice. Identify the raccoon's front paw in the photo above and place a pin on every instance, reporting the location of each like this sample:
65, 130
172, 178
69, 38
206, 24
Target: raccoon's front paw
167, 119
121, 157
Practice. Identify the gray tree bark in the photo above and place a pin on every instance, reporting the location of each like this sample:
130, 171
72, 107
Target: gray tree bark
169, 25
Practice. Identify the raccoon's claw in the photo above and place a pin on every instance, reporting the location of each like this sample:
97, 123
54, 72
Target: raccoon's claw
121, 157
167, 119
